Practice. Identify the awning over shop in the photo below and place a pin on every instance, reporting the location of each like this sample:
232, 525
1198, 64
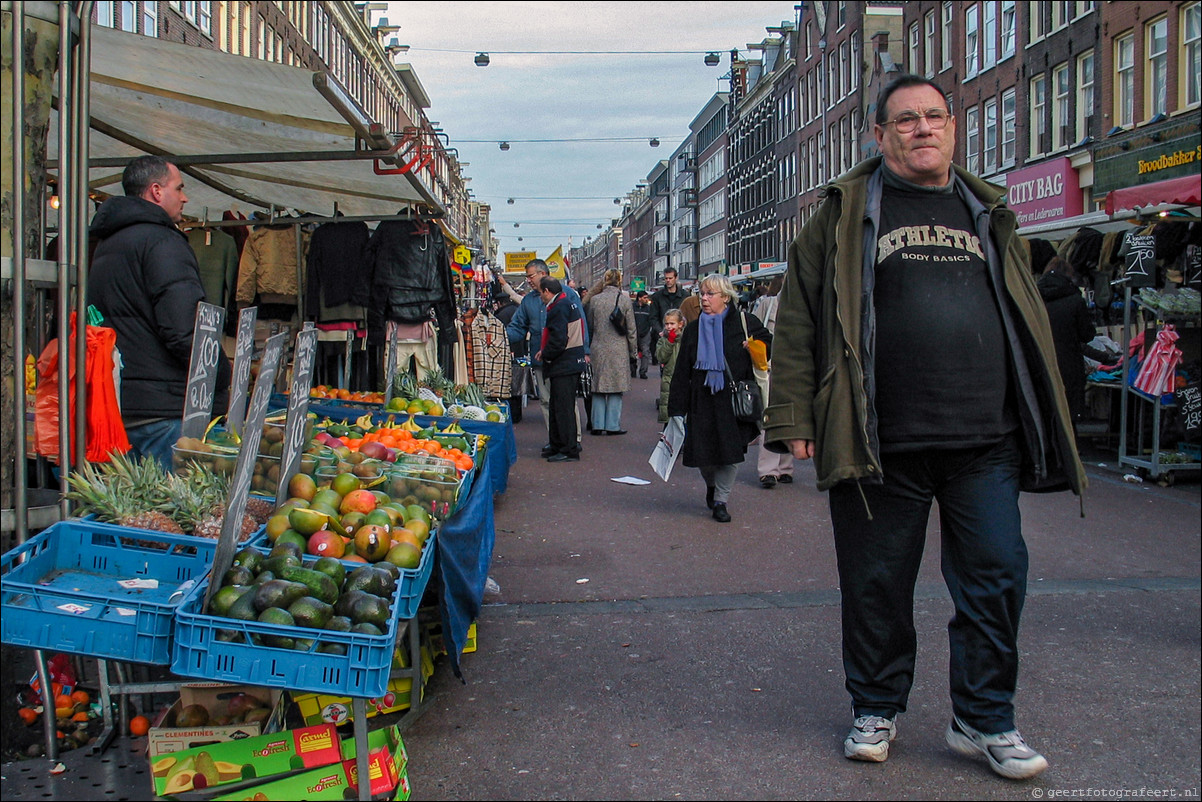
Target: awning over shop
1184, 191
152, 96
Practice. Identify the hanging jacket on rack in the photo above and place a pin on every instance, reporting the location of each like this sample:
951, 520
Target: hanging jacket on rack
492, 361
267, 272
337, 273
217, 257
411, 274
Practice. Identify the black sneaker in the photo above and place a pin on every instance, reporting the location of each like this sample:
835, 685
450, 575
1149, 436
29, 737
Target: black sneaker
785, 478
767, 482
720, 513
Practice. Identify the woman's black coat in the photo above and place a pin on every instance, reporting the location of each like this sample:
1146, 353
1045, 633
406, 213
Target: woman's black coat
712, 435
1072, 326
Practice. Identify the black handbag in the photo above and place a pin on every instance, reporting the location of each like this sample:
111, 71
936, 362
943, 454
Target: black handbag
617, 317
746, 400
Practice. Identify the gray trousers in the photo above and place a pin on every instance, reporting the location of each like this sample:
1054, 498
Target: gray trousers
721, 478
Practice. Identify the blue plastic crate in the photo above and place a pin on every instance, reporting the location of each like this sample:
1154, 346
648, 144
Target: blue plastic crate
225, 650
59, 590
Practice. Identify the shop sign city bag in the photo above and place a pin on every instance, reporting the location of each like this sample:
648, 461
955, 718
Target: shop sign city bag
617, 317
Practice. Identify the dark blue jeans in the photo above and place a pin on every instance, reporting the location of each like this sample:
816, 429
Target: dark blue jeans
155, 440
984, 563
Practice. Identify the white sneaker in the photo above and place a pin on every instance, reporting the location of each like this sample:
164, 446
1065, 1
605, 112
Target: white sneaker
869, 739
1007, 752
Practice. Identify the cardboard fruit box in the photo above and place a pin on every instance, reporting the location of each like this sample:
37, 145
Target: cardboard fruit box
321, 708
251, 758
387, 768
168, 736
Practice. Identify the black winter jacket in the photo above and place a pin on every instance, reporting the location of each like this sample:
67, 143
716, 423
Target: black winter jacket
145, 281
1072, 327
411, 274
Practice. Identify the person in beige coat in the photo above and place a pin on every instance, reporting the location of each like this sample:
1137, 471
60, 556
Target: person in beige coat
611, 352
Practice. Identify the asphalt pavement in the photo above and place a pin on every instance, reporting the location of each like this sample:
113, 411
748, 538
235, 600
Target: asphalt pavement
637, 649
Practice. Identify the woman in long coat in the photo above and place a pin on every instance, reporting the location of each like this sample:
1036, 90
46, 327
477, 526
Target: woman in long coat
714, 441
610, 353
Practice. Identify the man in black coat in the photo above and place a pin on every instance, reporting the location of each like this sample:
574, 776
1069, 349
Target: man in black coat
669, 296
145, 281
561, 354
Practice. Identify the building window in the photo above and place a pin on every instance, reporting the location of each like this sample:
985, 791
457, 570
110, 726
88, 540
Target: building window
832, 74
989, 34
990, 160
1061, 9
106, 14
855, 66
1124, 80
844, 69
1036, 24
928, 46
809, 40
150, 18
1008, 131
129, 16
1191, 55
1157, 50
1083, 7
1039, 101
972, 140
915, 65
842, 14
1008, 22
1084, 94
1063, 86
945, 41
971, 36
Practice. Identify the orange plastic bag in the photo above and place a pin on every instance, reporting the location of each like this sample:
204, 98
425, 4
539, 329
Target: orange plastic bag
105, 429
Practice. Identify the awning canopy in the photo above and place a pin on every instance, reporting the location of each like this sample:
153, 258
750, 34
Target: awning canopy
152, 96
1183, 191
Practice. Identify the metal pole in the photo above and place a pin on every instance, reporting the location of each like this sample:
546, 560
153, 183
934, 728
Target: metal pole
20, 477
81, 109
66, 234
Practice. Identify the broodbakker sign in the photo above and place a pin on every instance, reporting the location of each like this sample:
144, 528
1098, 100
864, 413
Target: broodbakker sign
1044, 192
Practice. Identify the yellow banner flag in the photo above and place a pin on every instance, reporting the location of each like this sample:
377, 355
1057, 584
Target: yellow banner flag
559, 268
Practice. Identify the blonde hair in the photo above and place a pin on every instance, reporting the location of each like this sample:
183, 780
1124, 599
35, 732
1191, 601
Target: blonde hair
676, 313
613, 277
716, 282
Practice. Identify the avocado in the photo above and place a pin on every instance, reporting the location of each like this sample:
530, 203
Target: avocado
249, 558
278, 563
370, 610
391, 569
311, 612
346, 602
371, 579
237, 575
264, 576
332, 568
304, 644
320, 585
275, 615
338, 623
279, 593
243, 608
331, 648
366, 628
283, 547
224, 598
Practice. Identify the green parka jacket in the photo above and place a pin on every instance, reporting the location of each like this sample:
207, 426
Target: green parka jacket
822, 354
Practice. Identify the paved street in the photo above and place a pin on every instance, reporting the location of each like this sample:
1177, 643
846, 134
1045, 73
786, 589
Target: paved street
701, 661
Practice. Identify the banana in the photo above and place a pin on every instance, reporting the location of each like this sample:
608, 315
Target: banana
411, 425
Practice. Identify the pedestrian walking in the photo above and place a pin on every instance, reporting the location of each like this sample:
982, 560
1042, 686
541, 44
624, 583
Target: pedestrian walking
561, 354
712, 356
914, 362
611, 352
643, 333
666, 350
772, 468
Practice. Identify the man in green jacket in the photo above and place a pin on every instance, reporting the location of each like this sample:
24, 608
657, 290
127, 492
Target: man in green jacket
913, 362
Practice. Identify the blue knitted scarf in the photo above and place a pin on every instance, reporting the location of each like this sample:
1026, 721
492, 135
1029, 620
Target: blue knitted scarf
711, 356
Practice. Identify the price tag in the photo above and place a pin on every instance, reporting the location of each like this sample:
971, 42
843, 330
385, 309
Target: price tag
74, 609
1141, 260
389, 362
202, 370
298, 407
244, 351
227, 542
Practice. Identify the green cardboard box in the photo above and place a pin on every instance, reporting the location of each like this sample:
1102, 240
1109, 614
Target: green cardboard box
217, 764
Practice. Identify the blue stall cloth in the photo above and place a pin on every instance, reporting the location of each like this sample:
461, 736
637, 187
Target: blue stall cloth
465, 544
502, 445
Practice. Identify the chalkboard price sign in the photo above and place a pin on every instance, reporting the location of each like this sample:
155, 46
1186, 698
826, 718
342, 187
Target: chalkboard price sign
202, 370
244, 351
244, 467
298, 406
1141, 260
1189, 406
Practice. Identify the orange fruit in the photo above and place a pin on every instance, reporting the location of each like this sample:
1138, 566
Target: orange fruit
28, 715
80, 717
80, 697
139, 726
63, 700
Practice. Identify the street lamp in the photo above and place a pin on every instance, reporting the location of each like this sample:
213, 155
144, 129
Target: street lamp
481, 59
504, 146
711, 59
654, 142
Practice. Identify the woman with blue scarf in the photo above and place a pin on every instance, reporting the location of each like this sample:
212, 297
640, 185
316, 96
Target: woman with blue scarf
714, 441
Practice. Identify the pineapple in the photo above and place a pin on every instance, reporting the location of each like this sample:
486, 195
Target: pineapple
106, 494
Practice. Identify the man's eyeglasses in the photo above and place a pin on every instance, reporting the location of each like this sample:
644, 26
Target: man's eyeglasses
907, 121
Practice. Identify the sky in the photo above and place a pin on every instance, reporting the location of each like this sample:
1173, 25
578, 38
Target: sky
565, 189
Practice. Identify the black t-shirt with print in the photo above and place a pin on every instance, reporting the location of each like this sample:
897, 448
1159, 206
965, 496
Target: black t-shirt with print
941, 363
